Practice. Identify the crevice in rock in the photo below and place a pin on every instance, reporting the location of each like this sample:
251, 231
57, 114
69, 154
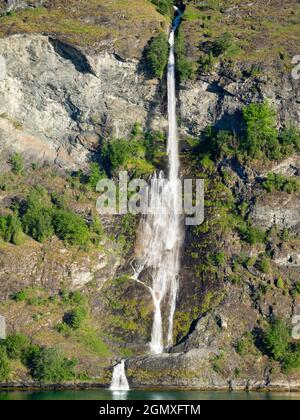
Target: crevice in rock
68, 52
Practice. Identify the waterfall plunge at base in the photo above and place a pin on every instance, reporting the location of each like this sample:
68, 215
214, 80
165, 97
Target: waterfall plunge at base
119, 381
161, 233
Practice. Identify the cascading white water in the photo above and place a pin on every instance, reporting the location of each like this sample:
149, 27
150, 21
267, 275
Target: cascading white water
161, 233
119, 381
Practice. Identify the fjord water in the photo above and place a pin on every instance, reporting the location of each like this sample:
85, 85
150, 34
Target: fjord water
161, 231
100, 394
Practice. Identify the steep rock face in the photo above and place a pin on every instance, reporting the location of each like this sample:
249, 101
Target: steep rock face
218, 99
54, 267
10, 5
57, 103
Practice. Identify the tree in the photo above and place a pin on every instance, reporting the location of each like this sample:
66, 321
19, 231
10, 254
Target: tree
16, 344
70, 227
157, 55
17, 164
14, 230
261, 133
277, 339
4, 365
96, 174
37, 220
185, 67
75, 318
50, 365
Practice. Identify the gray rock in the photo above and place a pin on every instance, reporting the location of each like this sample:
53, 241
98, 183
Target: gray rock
2, 328
55, 101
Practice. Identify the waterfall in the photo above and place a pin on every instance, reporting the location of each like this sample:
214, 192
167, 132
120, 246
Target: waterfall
161, 233
119, 381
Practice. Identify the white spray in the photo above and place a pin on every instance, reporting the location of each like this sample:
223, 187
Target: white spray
119, 381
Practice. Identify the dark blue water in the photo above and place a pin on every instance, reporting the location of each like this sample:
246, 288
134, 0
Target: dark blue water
100, 394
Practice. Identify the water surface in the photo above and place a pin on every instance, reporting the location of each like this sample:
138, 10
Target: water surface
100, 394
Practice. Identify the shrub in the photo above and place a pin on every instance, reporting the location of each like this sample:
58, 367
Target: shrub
264, 265
117, 153
37, 220
165, 7
77, 297
3, 226
17, 164
220, 258
208, 62
253, 235
96, 174
280, 283
185, 68
279, 345
245, 345
75, 318
291, 360
16, 344
12, 229
277, 182
290, 139
157, 55
50, 365
261, 133
277, 339
222, 44
4, 365
20, 296
70, 227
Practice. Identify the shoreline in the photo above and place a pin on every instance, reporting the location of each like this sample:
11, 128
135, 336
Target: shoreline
36, 387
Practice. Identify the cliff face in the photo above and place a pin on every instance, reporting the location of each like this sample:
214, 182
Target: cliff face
73, 81
57, 102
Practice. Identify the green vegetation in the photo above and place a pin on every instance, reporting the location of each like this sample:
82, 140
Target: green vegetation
95, 175
20, 296
50, 365
264, 265
157, 55
260, 140
165, 7
37, 219
17, 164
280, 346
184, 66
5, 369
46, 364
280, 283
261, 134
42, 216
277, 182
223, 46
245, 345
207, 23
75, 317
11, 229
139, 155
70, 227
252, 235
69, 21
15, 345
